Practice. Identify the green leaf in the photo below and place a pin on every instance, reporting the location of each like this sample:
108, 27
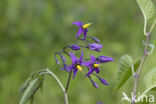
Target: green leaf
31, 89
147, 8
33, 83
125, 70
148, 11
150, 80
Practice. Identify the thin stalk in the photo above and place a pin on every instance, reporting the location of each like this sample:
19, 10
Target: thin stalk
142, 62
69, 78
61, 85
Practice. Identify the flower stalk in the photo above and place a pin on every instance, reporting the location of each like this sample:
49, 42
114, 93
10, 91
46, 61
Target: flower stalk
60, 84
69, 78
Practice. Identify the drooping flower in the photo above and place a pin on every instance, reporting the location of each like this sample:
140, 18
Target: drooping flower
57, 61
76, 64
93, 82
104, 59
95, 39
102, 80
82, 28
75, 47
95, 46
62, 57
93, 65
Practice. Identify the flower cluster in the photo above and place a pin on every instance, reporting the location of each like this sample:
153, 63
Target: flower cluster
92, 64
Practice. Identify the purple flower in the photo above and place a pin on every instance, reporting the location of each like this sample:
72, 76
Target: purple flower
82, 28
104, 59
93, 65
75, 47
95, 46
76, 64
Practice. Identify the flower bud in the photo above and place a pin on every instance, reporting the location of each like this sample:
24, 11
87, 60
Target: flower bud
57, 61
75, 47
95, 46
93, 82
63, 58
104, 59
103, 81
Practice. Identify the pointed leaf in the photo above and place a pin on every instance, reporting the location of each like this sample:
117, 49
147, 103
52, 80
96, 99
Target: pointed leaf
31, 89
125, 70
148, 11
147, 8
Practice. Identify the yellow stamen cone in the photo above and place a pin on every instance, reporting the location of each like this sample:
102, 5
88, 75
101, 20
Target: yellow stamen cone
86, 25
79, 67
96, 65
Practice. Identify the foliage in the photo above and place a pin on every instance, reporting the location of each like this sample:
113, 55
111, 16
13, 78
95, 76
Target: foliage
125, 70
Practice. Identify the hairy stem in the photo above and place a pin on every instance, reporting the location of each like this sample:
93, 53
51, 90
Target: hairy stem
142, 62
140, 67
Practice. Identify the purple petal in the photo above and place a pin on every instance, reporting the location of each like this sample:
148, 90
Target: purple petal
87, 64
85, 34
104, 59
73, 58
81, 58
79, 32
63, 69
67, 68
74, 72
78, 23
98, 49
90, 72
92, 58
97, 70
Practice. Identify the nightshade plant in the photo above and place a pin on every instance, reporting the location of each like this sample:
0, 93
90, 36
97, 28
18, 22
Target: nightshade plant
89, 66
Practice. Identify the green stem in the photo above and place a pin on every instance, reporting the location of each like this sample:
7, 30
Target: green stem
69, 78
140, 67
61, 86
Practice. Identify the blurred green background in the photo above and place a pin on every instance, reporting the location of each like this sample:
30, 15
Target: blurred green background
32, 30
